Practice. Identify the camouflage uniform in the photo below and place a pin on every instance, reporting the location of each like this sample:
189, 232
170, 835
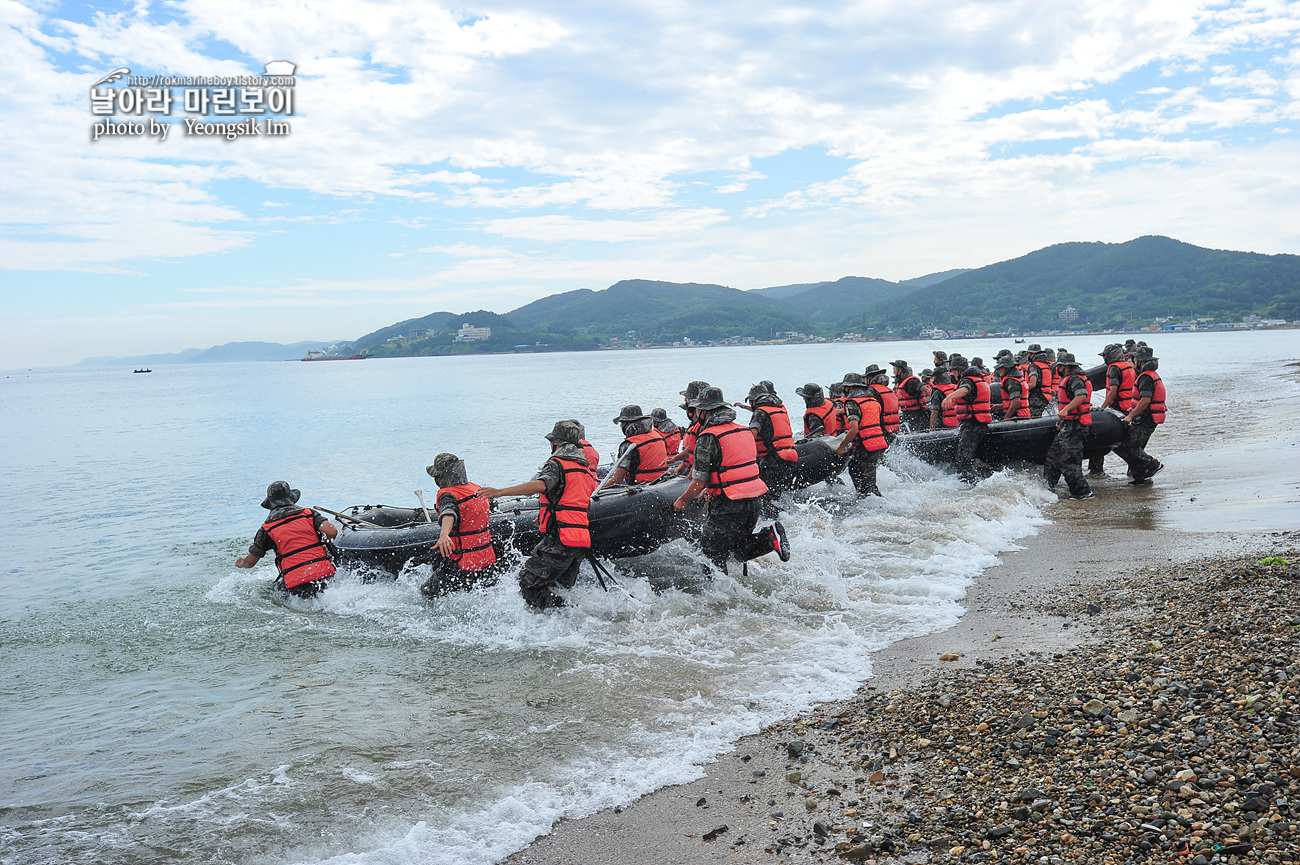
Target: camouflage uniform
729, 523
551, 563
1065, 456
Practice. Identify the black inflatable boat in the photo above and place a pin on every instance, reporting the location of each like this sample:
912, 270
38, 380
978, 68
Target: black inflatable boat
625, 520
636, 520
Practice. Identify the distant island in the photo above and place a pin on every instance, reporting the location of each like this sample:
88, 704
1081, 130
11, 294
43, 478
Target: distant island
1147, 284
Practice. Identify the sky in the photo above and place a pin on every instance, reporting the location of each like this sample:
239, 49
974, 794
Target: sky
483, 156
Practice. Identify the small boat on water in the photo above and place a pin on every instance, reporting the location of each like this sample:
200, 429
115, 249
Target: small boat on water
141, 370
320, 355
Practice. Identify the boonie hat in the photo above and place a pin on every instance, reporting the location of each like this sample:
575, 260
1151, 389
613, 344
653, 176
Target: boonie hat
853, 379
709, 399
566, 431
446, 469
872, 371
630, 414
279, 495
811, 390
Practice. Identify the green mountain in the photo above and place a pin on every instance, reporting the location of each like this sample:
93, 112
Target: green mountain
661, 312
433, 322
506, 336
827, 303
1111, 285
933, 278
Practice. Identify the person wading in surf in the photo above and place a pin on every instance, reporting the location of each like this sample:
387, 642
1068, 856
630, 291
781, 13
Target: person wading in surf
564, 484
466, 554
298, 537
726, 467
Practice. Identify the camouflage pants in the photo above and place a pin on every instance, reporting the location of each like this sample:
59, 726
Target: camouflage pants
1065, 457
550, 565
1133, 449
862, 471
970, 436
1037, 405
731, 533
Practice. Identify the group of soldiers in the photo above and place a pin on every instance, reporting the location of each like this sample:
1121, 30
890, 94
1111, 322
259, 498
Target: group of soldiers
732, 464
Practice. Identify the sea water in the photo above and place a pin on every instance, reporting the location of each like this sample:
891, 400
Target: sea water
161, 706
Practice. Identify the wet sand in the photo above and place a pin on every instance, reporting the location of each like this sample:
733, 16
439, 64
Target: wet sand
1032, 607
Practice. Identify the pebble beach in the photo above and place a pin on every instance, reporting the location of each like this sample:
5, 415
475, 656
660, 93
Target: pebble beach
1115, 715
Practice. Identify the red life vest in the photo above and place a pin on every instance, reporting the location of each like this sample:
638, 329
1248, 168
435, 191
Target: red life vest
652, 456
907, 402
1022, 411
829, 418
889, 402
471, 539
870, 431
736, 476
593, 455
948, 415
299, 553
782, 435
1157, 407
1045, 387
569, 514
975, 406
688, 444
1127, 396
1083, 414
672, 440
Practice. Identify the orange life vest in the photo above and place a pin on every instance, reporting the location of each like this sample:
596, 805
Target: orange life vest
672, 440
975, 406
471, 539
688, 444
782, 435
948, 416
870, 431
593, 455
1157, 407
652, 456
736, 476
1022, 411
1045, 387
1083, 414
569, 514
889, 402
907, 402
1127, 396
299, 553
829, 418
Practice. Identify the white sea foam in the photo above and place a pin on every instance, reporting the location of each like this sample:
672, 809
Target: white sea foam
757, 648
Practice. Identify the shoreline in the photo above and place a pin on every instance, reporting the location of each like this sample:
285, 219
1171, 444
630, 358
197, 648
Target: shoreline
1065, 588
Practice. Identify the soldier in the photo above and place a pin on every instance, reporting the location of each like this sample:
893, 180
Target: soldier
1039, 380
910, 392
684, 457
298, 536
865, 440
819, 417
891, 420
671, 432
726, 468
466, 554
1065, 456
1143, 418
1015, 401
971, 401
942, 415
1121, 391
564, 484
642, 455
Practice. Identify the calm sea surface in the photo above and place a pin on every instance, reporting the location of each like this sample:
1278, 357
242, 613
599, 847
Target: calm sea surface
159, 706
